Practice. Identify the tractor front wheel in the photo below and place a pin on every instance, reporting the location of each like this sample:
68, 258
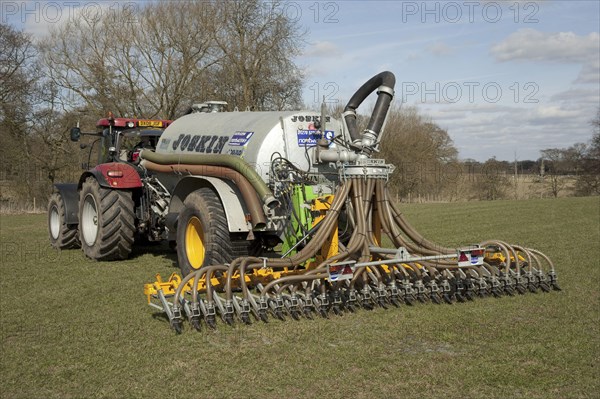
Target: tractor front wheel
106, 221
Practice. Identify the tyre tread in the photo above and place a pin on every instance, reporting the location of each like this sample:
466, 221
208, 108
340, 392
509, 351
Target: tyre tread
116, 233
221, 245
68, 237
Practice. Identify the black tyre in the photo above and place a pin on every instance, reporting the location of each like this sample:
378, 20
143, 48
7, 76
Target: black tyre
62, 235
203, 237
106, 221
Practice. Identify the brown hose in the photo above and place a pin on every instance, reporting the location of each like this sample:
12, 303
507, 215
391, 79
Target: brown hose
326, 228
544, 256
292, 279
396, 230
259, 221
368, 200
356, 241
183, 282
209, 271
414, 235
505, 248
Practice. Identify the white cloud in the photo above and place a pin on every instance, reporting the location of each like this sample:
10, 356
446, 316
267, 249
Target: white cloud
577, 97
548, 114
590, 72
533, 45
480, 131
323, 49
440, 49
413, 56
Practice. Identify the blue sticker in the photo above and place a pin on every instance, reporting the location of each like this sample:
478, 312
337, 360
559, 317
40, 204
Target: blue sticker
240, 139
164, 143
308, 138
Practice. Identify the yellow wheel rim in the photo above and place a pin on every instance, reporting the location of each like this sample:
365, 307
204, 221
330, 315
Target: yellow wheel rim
194, 242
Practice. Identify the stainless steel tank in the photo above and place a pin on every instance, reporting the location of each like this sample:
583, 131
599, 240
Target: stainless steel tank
257, 137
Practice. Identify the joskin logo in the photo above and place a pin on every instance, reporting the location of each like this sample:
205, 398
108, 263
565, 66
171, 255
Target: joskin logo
308, 138
240, 139
208, 144
309, 118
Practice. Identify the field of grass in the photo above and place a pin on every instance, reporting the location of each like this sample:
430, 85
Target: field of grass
74, 328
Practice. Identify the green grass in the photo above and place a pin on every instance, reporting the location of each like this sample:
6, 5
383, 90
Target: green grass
73, 328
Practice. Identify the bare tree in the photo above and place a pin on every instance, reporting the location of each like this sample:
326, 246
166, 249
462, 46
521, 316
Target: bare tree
492, 182
258, 43
16, 50
17, 95
422, 152
78, 59
168, 56
159, 61
556, 162
588, 181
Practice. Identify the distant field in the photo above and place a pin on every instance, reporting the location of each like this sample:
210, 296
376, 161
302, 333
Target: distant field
73, 328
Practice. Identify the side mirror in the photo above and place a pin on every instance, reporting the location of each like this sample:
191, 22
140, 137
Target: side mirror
75, 133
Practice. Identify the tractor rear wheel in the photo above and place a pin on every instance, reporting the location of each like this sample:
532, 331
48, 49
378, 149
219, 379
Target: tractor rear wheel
106, 221
62, 235
203, 236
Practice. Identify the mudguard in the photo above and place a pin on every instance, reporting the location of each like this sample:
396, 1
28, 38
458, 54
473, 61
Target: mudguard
115, 175
70, 196
235, 210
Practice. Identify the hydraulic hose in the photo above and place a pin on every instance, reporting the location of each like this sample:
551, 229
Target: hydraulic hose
229, 161
356, 240
526, 253
506, 249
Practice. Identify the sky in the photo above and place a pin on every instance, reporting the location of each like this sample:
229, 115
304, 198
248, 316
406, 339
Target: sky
504, 78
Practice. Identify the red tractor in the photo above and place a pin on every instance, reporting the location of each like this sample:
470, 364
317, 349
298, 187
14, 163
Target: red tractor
116, 202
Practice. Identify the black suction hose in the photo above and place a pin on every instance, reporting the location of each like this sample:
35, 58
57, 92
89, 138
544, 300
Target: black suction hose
383, 81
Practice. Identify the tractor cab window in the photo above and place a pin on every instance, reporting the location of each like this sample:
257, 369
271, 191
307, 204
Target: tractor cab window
133, 142
106, 142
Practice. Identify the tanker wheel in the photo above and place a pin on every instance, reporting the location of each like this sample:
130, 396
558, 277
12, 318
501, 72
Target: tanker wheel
203, 237
62, 235
106, 221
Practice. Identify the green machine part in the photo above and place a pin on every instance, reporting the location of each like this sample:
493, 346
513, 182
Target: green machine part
301, 218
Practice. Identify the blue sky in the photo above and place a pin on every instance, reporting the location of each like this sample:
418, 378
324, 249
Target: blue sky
503, 77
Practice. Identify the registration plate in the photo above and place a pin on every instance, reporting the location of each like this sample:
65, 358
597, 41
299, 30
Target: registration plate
150, 123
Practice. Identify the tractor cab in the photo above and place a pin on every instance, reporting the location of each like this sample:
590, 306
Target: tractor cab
133, 141
121, 139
